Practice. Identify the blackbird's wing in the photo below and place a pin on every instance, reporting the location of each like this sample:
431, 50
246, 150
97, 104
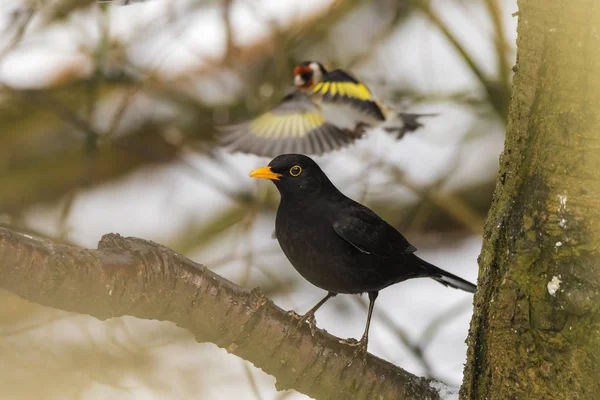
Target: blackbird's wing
339, 87
367, 232
296, 125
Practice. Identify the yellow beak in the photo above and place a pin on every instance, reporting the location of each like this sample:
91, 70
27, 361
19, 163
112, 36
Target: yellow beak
266, 173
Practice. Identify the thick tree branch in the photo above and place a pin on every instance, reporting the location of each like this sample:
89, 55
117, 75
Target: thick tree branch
130, 276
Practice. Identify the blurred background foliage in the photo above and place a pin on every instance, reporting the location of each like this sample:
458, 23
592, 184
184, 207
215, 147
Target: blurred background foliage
106, 125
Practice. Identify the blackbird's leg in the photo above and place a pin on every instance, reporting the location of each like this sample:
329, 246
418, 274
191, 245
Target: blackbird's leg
310, 314
364, 340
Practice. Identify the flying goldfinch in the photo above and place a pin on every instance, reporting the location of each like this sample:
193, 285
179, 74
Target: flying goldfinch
329, 110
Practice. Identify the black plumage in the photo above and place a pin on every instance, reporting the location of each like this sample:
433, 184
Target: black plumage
338, 244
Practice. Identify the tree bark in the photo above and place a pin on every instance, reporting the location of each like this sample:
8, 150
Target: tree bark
129, 276
535, 333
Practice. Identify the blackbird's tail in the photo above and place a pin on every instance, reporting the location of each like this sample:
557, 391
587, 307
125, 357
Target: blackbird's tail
446, 278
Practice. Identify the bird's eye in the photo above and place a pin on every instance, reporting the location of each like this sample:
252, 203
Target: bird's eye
295, 170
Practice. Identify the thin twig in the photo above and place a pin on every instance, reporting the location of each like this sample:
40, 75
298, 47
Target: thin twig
414, 348
251, 380
453, 205
499, 40
19, 29
36, 325
490, 86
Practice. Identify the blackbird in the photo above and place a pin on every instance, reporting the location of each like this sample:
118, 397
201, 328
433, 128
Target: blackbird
337, 244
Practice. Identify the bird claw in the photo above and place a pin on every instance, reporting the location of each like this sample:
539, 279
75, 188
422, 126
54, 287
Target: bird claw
312, 324
361, 349
349, 342
294, 315
308, 317
360, 353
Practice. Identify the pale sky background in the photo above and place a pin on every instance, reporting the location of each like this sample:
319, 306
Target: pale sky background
154, 203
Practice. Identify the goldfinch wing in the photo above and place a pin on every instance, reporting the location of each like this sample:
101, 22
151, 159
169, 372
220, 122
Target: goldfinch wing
338, 86
296, 125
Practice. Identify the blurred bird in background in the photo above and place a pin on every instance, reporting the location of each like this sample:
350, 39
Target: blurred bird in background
329, 110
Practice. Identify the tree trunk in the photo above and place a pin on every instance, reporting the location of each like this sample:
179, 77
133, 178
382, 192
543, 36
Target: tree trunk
536, 328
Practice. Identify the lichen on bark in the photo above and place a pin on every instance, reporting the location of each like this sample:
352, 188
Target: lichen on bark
527, 341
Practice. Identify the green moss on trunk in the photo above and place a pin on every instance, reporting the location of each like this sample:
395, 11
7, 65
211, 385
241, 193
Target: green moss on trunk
527, 341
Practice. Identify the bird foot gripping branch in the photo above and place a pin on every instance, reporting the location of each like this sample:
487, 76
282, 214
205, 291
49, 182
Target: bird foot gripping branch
338, 244
361, 349
308, 317
294, 315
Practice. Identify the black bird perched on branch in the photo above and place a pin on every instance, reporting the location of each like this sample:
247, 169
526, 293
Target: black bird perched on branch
329, 110
338, 244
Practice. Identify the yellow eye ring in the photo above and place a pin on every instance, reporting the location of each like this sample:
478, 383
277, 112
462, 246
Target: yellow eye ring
295, 170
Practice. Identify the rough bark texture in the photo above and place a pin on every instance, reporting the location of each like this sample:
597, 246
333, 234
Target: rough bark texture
129, 276
525, 342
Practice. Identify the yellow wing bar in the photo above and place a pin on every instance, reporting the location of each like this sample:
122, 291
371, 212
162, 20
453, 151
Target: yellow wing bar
347, 89
276, 126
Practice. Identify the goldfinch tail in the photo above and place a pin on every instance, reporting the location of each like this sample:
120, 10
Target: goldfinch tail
405, 122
